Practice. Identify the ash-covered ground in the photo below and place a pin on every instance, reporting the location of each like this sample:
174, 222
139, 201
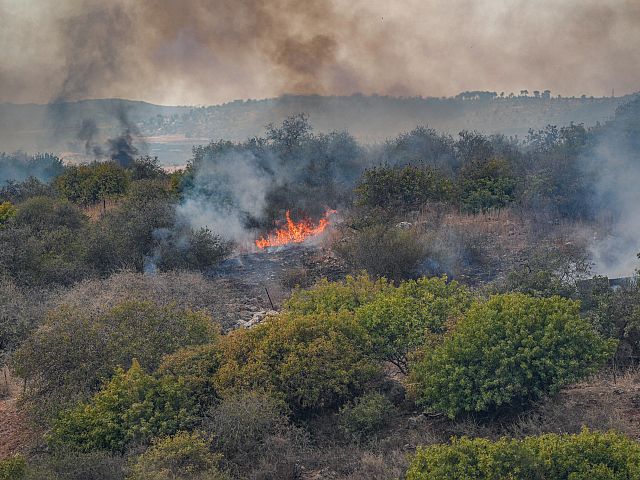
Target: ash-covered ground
260, 281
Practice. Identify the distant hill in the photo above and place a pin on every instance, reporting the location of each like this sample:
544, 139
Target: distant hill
171, 130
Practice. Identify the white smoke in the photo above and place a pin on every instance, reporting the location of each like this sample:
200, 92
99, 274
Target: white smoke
225, 193
615, 159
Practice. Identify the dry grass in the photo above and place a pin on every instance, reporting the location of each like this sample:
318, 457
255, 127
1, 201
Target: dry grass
223, 300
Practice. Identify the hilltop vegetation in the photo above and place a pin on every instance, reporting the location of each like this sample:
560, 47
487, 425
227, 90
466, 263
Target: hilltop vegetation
368, 118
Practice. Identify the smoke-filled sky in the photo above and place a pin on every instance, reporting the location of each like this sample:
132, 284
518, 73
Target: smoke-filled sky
212, 51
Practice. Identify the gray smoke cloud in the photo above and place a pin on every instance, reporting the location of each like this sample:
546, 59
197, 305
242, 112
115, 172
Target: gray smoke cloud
209, 51
615, 160
225, 193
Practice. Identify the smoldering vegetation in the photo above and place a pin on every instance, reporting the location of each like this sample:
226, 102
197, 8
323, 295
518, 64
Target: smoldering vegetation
239, 188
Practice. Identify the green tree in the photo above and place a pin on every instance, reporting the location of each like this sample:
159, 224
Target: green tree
93, 183
486, 184
507, 352
403, 319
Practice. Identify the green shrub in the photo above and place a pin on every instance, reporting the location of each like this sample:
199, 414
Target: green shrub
133, 407
402, 188
74, 465
585, 456
313, 362
400, 320
242, 424
382, 250
7, 211
365, 416
485, 182
331, 297
45, 243
195, 366
13, 468
181, 456
74, 351
507, 352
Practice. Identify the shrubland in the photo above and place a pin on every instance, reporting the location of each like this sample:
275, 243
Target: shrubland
468, 311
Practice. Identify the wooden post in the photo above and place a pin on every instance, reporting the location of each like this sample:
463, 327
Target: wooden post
269, 297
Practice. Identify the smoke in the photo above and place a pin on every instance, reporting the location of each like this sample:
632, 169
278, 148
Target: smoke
18, 167
235, 188
121, 149
227, 191
615, 160
209, 51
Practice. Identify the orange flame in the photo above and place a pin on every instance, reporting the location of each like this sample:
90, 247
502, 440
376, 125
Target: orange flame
294, 232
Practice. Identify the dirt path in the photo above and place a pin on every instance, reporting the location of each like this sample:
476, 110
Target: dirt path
15, 437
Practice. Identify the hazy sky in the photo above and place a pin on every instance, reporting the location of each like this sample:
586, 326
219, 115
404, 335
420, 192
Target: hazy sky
212, 51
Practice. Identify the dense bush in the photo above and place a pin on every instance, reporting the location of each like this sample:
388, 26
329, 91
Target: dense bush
585, 456
74, 351
382, 250
401, 320
196, 367
183, 456
257, 440
396, 319
13, 468
486, 183
242, 424
365, 416
507, 352
42, 244
89, 184
18, 192
127, 234
21, 311
403, 188
313, 362
331, 297
7, 211
75, 465
550, 270
133, 406
189, 249
616, 314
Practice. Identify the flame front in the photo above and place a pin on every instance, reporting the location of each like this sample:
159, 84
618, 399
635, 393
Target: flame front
294, 232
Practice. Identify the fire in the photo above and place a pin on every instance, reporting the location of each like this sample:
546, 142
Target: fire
294, 232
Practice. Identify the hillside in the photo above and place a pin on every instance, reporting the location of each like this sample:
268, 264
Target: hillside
170, 131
